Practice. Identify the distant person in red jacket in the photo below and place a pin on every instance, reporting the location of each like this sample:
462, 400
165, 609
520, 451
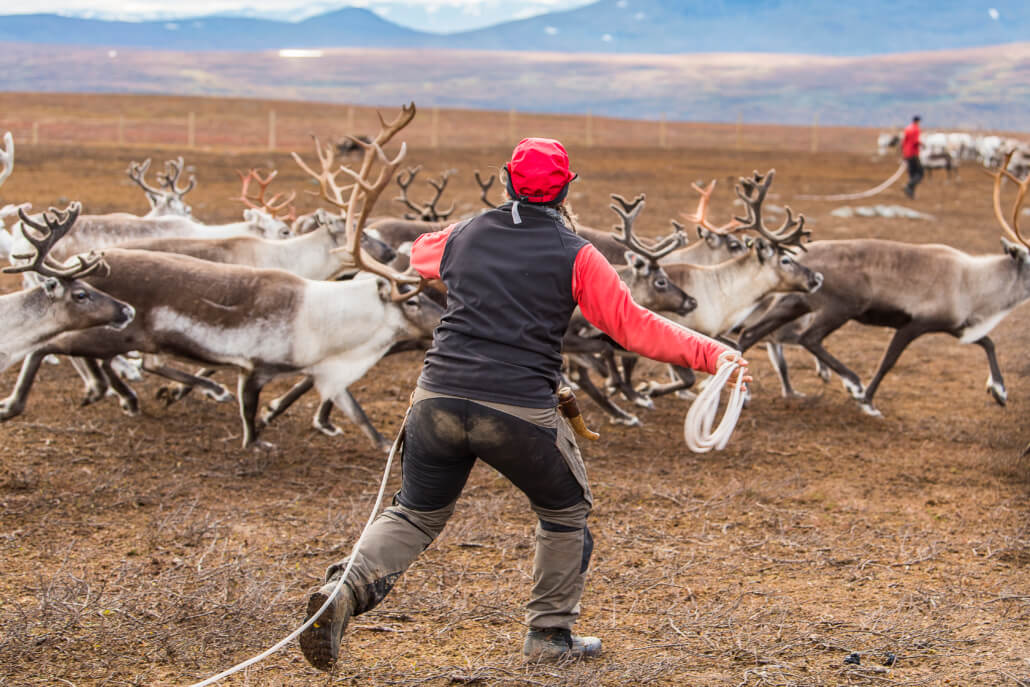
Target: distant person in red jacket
514, 276
910, 151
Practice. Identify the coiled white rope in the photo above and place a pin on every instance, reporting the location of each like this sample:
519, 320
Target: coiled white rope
339, 583
864, 194
697, 427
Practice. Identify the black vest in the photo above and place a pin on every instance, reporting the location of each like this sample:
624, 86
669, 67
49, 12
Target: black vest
509, 300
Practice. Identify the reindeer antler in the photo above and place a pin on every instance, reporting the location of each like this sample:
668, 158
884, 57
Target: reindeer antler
7, 157
700, 216
170, 177
789, 235
137, 171
57, 224
428, 211
484, 188
628, 211
274, 205
331, 191
1023, 185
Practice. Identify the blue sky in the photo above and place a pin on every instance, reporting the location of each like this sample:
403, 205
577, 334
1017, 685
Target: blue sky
426, 14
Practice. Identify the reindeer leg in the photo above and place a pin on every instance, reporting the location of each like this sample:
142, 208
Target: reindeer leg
775, 351
616, 414
95, 380
684, 378
279, 405
322, 421
14, 405
995, 382
249, 393
347, 403
901, 339
187, 381
784, 310
127, 398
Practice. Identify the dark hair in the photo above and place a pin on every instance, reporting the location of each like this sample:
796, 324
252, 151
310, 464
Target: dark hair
917, 118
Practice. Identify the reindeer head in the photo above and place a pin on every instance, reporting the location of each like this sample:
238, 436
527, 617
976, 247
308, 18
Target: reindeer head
648, 282
74, 303
168, 200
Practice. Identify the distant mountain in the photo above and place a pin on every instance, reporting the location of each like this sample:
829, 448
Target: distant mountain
814, 27
346, 27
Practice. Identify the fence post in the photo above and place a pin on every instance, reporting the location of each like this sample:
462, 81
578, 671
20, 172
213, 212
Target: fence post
434, 135
590, 129
661, 132
35, 133
815, 133
191, 130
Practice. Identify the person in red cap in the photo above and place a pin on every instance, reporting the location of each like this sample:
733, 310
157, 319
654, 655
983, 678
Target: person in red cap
514, 276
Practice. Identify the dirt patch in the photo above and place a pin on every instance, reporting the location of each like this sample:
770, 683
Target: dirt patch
152, 550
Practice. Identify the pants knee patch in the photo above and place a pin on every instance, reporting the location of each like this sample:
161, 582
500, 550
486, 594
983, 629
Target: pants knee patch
555, 527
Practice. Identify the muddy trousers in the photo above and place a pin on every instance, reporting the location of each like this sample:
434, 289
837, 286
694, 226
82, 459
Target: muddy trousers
443, 438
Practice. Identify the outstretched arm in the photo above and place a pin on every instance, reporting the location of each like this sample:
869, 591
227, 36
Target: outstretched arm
606, 303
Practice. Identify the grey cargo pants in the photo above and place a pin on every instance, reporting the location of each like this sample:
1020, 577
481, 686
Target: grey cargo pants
444, 436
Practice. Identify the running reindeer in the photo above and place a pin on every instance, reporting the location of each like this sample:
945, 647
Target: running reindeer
264, 322
913, 289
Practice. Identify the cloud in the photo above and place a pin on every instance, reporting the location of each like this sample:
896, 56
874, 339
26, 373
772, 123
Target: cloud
993, 14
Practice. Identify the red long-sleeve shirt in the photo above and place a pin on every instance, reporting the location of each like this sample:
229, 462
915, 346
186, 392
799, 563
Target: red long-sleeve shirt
605, 301
910, 142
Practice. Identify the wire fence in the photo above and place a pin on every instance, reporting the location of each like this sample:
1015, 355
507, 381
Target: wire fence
289, 126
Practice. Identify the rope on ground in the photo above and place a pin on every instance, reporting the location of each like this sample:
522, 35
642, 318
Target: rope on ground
697, 426
864, 194
339, 584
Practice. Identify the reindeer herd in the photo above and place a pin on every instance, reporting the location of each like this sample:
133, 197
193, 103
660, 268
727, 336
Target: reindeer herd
947, 150
324, 296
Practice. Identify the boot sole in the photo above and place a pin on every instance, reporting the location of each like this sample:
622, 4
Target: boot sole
316, 642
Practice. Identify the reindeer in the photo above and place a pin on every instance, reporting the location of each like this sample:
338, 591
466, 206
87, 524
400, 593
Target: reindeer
61, 302
264, 322
913, 289
166, 201
6, 168
96, 232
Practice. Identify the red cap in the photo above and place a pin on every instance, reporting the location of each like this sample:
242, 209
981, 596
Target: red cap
539, 170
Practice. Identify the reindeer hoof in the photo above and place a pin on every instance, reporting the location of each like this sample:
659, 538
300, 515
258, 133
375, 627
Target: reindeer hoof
51, 360
130, 406
8, 409
329, 429
629, 421
221, 396
869, 410
997, 391
856, 390
686, 395
92, 397
793, 394
644, 402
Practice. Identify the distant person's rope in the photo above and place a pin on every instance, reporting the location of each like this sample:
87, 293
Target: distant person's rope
864, 194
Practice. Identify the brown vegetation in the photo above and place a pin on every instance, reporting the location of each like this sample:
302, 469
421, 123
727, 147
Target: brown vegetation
154, 551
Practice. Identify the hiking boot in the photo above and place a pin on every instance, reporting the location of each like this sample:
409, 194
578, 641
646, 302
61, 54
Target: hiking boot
910, 192
320, 643
554, 644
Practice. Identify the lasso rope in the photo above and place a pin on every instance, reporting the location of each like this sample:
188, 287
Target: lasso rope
697, 426
339, 583
864, 194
